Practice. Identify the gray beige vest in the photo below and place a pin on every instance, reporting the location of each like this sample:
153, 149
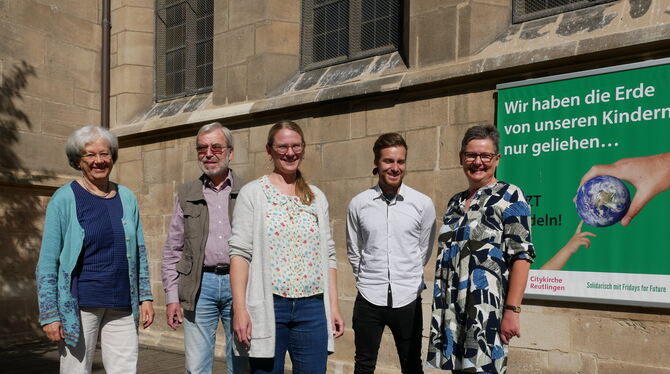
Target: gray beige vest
196, 229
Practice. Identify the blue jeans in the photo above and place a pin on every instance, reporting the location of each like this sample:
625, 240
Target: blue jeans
214, 302
301, 328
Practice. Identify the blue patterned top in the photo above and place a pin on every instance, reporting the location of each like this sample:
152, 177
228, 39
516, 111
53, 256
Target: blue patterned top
476, 249
100, 279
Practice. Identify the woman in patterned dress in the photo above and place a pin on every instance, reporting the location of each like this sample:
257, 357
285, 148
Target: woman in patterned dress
485, 252
283, 265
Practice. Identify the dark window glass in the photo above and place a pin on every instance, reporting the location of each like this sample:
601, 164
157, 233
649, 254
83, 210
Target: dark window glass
184, 55
205, 28
204, 75
336, 31
525, 10
331, 30
204, 60
376, 26
174, 82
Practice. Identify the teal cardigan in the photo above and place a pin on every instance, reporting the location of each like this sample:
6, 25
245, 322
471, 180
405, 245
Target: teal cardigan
62, 242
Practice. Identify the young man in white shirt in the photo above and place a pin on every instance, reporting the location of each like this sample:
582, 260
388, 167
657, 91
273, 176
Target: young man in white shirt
390, 232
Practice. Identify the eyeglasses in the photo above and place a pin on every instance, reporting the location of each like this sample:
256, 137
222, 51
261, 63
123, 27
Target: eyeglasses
91, 156
216, 149
485, 156
282, 149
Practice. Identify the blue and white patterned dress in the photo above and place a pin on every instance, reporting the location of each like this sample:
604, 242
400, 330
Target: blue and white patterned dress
476, 249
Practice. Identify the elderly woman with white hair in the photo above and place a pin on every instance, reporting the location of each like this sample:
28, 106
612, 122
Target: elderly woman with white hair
92, 273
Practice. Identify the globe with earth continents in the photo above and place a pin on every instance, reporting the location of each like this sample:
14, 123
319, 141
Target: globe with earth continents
602, 201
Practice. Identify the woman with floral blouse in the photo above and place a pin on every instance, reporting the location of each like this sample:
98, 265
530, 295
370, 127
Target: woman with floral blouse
485, 252
283, 265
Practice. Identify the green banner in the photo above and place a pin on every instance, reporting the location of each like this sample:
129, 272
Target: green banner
552, 133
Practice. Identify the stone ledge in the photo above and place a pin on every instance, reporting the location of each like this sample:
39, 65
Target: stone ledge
306, 89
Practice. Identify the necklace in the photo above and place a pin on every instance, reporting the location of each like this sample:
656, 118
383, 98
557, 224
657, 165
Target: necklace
103, 195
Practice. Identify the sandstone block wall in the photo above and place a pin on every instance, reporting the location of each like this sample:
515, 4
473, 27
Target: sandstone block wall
256, 46
131, 59
441, 82
49, 86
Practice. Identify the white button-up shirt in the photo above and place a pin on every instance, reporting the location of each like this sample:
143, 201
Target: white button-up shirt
389, 243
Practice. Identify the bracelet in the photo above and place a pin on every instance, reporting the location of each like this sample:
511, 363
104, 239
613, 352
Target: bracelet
514, 308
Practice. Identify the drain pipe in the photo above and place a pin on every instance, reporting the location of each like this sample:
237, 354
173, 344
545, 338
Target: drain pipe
104, 66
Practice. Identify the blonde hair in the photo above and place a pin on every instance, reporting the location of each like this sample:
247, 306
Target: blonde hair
302, 189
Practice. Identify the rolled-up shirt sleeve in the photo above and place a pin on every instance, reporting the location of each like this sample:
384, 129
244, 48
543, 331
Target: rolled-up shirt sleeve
172, 252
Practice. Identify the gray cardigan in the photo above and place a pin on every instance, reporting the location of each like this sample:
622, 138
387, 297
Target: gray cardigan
249, 241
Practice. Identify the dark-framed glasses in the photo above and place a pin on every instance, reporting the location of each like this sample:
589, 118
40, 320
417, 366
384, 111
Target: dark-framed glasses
216, 149
485, 156
282, 149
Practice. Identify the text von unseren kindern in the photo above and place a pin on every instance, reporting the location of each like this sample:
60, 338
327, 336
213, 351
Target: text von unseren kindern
608, 117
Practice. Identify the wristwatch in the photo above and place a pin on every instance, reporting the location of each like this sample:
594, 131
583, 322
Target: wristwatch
513, 308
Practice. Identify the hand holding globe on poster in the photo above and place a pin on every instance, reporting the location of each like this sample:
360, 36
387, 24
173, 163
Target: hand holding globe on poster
650, 175
601, 198
602, 201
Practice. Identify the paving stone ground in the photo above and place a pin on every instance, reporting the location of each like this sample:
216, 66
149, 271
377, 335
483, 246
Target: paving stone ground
42, 358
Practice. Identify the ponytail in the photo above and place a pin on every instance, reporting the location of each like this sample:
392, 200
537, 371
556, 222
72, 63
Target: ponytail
302, 189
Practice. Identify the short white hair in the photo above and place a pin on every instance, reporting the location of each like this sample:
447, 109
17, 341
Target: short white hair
217, 126
76, 142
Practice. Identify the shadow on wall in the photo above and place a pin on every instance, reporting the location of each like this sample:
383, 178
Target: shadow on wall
22, 206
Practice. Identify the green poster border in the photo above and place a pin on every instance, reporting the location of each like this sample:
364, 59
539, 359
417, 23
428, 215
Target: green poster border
568, 76
581, 74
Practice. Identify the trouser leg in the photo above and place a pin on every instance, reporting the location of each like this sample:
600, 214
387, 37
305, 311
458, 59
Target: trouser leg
119, 341
308, 336
275, 365
79, 359
368, 324
200, 328
236, 365
406, 325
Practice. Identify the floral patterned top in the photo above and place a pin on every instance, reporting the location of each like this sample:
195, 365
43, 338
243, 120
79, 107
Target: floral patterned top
476, 249
293, 237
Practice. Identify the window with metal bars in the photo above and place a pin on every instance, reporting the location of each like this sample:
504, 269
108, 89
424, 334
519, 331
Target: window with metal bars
184, 47
336, 31
526, 10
